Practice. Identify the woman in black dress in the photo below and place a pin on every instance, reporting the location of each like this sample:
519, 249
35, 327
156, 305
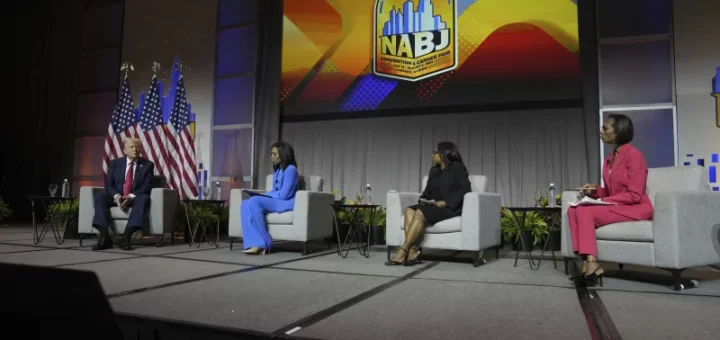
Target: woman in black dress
447, 185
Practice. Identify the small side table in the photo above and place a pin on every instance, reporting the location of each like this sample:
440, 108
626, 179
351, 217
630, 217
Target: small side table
553, 213
217, 205
53, 224
354, 235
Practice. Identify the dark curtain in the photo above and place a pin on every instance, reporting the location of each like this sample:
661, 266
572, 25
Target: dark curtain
589, 69
267, 86
37, 126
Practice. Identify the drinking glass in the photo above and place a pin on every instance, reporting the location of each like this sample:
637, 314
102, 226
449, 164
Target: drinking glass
537, 198
359, 196
206, 193
53, 189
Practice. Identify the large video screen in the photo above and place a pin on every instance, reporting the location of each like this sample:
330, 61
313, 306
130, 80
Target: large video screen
364, 55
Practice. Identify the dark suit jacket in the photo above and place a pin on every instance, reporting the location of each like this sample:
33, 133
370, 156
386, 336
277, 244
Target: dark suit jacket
625, 184
144, 171
449, 185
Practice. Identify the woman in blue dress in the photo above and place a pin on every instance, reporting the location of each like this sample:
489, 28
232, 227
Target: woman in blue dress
256, 239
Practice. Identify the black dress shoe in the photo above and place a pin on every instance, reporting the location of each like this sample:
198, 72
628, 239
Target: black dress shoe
127, 239
104, 242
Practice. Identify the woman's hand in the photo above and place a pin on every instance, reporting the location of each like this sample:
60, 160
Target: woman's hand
440, 204
588, 188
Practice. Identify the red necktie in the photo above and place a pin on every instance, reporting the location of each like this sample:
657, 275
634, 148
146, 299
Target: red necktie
127, 188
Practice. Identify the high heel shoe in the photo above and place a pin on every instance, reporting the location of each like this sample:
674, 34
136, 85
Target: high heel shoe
396, 263
255, 251
578, 276
591, 279
416, 260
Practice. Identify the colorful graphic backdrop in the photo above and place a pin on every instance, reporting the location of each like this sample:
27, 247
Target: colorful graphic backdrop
508, 51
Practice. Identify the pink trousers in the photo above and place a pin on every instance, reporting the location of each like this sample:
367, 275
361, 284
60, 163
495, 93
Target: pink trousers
583, 222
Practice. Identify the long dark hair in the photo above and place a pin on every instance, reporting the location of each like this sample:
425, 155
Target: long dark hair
286, 153
449, 153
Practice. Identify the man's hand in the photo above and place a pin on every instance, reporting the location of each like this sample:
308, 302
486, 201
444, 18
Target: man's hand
127, 202
440, 204
119, 200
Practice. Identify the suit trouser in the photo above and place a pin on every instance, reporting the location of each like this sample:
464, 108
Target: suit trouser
252, 219
103, 202
583, 222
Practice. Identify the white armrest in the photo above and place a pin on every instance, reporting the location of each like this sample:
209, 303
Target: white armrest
312, 215
234, 227
686, 229
480, 221
397, 202
565, 237
163, 203
86, 209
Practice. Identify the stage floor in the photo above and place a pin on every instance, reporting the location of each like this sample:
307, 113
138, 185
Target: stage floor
324, 296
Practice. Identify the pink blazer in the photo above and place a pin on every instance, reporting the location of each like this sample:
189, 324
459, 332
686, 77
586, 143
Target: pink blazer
625, 184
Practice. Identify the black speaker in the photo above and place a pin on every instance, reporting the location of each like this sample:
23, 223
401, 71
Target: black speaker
55, 302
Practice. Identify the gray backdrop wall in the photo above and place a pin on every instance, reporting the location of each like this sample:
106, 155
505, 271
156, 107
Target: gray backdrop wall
520, 152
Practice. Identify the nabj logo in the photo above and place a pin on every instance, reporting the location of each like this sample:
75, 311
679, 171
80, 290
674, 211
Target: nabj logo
414, 42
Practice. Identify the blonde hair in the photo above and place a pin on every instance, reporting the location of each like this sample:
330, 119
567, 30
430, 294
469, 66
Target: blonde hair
131, 139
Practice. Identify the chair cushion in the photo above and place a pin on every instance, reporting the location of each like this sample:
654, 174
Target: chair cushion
451, 225
117, 214
637, 231
279, 218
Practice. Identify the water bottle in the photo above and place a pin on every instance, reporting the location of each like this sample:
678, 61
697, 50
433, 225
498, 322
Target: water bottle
217, 191
368, 195
551, 196
66, 188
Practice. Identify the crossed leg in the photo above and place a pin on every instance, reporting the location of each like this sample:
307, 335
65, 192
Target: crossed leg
413, 250
413, 231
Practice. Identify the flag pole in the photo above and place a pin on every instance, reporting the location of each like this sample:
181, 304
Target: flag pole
182, 67
127, 67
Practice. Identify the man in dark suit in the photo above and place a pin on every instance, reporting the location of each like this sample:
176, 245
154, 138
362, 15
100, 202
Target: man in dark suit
127, 185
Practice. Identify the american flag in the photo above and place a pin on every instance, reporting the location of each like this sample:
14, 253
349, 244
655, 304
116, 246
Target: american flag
122, 125
181, 146
151, 131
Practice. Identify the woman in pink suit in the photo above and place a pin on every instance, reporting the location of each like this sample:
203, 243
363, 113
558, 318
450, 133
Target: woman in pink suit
625, 176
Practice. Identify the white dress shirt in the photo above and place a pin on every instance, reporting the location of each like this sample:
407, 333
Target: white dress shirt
127, 168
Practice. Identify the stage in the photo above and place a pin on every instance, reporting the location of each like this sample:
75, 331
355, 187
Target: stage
176, 288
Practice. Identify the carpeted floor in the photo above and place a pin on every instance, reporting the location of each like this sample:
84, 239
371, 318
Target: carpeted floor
325, 296
644, 316
135, 273
428, 309
262, 300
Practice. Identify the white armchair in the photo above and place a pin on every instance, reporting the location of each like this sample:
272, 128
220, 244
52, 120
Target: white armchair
160, 217
478, 227
684, 231
310, 219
